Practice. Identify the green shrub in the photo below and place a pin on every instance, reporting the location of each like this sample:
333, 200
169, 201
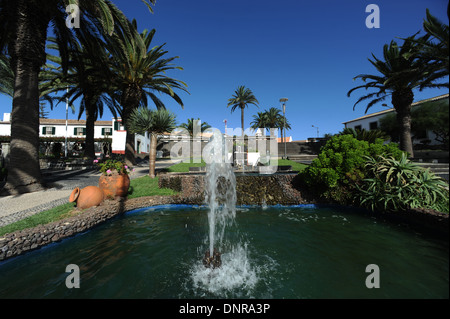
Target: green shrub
340, 166
393, 185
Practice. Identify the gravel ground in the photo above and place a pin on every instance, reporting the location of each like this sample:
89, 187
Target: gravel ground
16, 207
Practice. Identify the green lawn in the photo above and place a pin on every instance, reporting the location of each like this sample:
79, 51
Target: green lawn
183, 167
45, 217
295, 166
146, 186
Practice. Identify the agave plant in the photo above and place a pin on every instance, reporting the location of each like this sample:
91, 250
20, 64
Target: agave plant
401, 184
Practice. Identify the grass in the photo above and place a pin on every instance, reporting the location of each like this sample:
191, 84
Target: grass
146, 186
295, 166
183, 167
48, 216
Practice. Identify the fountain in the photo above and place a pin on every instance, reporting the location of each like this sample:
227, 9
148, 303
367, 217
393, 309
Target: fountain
230, 257
220, 189
220, 250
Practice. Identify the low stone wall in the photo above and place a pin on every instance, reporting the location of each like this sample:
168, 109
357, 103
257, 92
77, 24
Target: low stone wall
250, 189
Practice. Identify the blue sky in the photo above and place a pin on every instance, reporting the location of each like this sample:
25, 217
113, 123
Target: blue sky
307, 51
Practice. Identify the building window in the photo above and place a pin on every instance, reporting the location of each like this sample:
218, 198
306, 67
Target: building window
79, 131
358, 128
117, 125
373, 125
48, 130
106, 131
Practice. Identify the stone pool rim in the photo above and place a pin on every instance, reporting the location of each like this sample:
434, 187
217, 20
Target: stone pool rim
22, 241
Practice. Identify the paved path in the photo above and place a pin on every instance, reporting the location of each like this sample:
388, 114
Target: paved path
17, 207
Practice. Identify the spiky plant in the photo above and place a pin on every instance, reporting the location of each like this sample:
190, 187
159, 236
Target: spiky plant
395, 185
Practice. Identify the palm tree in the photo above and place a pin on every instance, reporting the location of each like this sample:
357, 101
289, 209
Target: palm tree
140, 72
23, 33
271, 118
275, 119
191, 123
400, 72
87, 78
363, 135
156, 122
434, 51
6, 76
259, 121
241, 98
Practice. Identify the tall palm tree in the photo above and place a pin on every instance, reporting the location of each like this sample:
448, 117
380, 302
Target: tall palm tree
401, 73
23, 33
156, 122
87, 78
140, 72
241, 98
191, 123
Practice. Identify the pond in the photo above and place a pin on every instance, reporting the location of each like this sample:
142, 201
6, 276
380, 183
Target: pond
267, 252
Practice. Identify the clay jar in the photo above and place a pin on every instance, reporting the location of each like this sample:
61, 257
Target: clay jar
87, 197
115, 185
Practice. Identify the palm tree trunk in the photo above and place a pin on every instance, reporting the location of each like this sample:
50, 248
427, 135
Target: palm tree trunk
27, 56
130, 101
243, 138
90, 127
242, 120
402, 100
130, 160
152, 155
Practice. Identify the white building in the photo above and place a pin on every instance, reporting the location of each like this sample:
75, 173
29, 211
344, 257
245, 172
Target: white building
77, 129
371, 121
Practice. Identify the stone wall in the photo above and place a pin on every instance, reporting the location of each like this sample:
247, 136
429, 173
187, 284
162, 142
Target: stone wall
250, 189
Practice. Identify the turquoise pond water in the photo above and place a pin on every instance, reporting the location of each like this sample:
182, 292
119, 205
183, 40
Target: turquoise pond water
273, 252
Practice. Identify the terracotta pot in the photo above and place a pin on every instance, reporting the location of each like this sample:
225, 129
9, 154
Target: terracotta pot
86, 197
115, 185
